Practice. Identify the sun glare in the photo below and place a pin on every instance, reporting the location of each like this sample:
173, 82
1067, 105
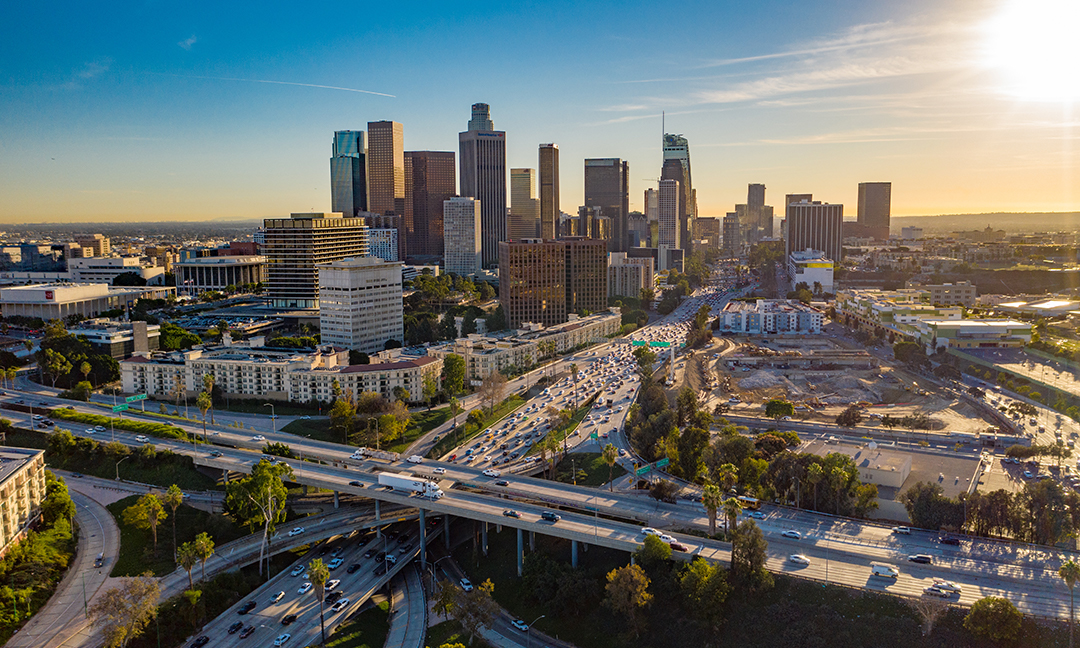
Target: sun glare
1035, 47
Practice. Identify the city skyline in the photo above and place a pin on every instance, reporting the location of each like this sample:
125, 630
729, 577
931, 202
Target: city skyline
137, 114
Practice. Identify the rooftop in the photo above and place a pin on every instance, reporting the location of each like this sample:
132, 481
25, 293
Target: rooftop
12, 459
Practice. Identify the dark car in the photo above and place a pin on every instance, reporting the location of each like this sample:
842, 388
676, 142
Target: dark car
247, 632
200, 642
247, 607
236, 627
402, 539
353, 568
550, 517
334, 596
502, 482
511, 513
369, 553
949, 540
921, 558
379, 570
678, 546
363, 541
379, 557
337, 552
405, 548
287, 619
357, 484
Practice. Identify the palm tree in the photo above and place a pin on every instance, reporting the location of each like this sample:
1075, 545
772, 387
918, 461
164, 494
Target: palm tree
187, 557
610, 455
203, 403
1070, 572
573, 372
837, 476
319, 574
731, 507
814, 475
455, 408
712, 498
173, 498
85, 368
12, 374
204, 548
728, 476
208, 385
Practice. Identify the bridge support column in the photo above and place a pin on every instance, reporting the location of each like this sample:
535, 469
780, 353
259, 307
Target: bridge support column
376, 510
225, 477
532, 540
483, 537
336, 503
446, 531
633, 561
423, 540
520, 552
573, 554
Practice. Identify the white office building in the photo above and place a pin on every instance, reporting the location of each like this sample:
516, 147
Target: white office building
812, 268
360, 303
461, 236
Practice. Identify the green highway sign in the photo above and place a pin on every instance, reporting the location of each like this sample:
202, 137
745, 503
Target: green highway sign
642, 470
637, 343
119, 408
594, 436
663, 462
136, 397
660, 344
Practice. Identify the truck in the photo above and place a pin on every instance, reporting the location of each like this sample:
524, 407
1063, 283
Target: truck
409, 483
884, 570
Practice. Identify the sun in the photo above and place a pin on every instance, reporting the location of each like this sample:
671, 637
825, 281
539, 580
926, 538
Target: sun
1035, 47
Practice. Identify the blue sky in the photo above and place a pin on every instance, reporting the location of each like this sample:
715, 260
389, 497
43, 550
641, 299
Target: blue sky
160, 111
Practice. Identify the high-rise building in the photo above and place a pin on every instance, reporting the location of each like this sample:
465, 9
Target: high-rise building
549, 190
652, 205
586, 275
789, 199
386, 174
875, 206
383, 243
360, 303
483, 176
732, 239
755, 217
524, 220
542, 281
670, 233
676, 147
97, 245
430, 181
295, 246
626, 277
462, 225
637, 230
814, 225
607, 186
675, 170
348, 173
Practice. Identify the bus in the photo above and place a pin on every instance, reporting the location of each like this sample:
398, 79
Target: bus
749, 503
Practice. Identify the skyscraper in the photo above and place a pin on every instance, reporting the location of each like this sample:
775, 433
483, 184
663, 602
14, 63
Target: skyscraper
483, 176
549, 190
348, 173
668, 214
607, 187
814, 225
524, 219
543, 281
462, 235
360, 303
430, 182
386, 174
675, 170
755, 217
676, 147
875, 206
652, 205
295, 246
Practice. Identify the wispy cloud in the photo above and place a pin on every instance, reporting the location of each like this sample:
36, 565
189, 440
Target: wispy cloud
288, 83
88, 71
188, 42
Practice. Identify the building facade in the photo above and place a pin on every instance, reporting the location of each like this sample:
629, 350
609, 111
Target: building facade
98, 269
532, 282
295, 246
22, 489
482, 152
627, 277
118, 338
549, 190
431, 180
360, 304
815, 226
463, 236
812, 268
524, 219
875, 208
200, 274
94, 244
607, 188
780, 316
383, 243
348, 173
668, 214
57, 301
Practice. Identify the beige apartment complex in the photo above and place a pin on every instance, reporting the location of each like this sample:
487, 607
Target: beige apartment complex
22, 488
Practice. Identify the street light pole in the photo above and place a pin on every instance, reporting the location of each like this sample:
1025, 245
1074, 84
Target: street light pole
273, 415
528, 631
118, 467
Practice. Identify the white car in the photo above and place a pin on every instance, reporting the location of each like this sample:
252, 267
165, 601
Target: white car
666, 538
332, 584
793, 534
798, 559
305, 588
299, 569
490, 472
259, 437
90, 430
282, 639
334, 564
465, 584
948, 586
296, 531
757, 515
649, 531
277, 597
416, 459
142, 438
519, 625
439, 471
340, 605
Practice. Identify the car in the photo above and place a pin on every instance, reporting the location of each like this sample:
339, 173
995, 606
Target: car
333, 596
924, 559
678, 546
356, 484
249, 606
78, 475
288, 619
933, 590
798, 559
247, 632
511, 513
340, 605
200, 642
353, 568
439, 471
550, 517
949, 540
902, 530
305, 588
492, 473
99, 428
296, 571
296, 531
793, 534
415, 459
502, 482
305, 418
465, 584
215, 453
91, 430
282, 639
236, 627
666, 538
334, 564
948, 586
369, 553
258, 437
519, 625
277, 597
331, 585
757, 515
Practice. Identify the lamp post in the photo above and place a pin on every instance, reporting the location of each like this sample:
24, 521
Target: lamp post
528, 631
273, 415
433, 576
118, 467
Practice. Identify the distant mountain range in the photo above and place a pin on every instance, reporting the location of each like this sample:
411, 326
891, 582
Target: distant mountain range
1009, 221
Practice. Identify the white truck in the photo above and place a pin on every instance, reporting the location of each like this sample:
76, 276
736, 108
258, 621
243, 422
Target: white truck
884, 570
409, 483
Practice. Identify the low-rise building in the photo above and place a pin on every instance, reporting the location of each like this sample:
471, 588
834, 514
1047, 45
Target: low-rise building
812, 268
764, 316
890, 312
936, 334
22, 488
57, 301
106, 269
961, 293
197, 275
118, 338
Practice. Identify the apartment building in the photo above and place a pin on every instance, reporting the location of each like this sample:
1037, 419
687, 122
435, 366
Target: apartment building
22, 488
765, 316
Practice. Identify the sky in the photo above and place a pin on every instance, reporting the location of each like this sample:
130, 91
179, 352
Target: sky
164, 111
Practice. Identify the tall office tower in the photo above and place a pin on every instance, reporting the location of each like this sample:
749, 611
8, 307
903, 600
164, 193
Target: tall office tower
386, 174
360, 303
814, 225
670, 233
524, 220
755, 195
462, 238
586, 275
430, 181
652, 205
532, 282
607, 186
755, 199
483, 176
295, 246
348, 173
591, 223
676, 147
795, 198
549, 190
875, 206
674, 170
732, 234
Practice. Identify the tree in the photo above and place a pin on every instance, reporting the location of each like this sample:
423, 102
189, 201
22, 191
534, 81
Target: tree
204, 548
192, 597
493, 390
85, 368
748, 555
994, 618
778, 408
128, 279
686, 404
929, 508
910, 353
728, 476
453, 374
445, 595
1070, 573
55, 365
653, 552
123, 612
711, 498
146, 513
627, 591
850, 417
431, 388
208, 387
732, 506
664, 491
204, 404
187, 556
706, 588
259, 499
318, 574
343, 417
647, 295
57, 504
476, 609
610, 455
929, 609
173, 498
